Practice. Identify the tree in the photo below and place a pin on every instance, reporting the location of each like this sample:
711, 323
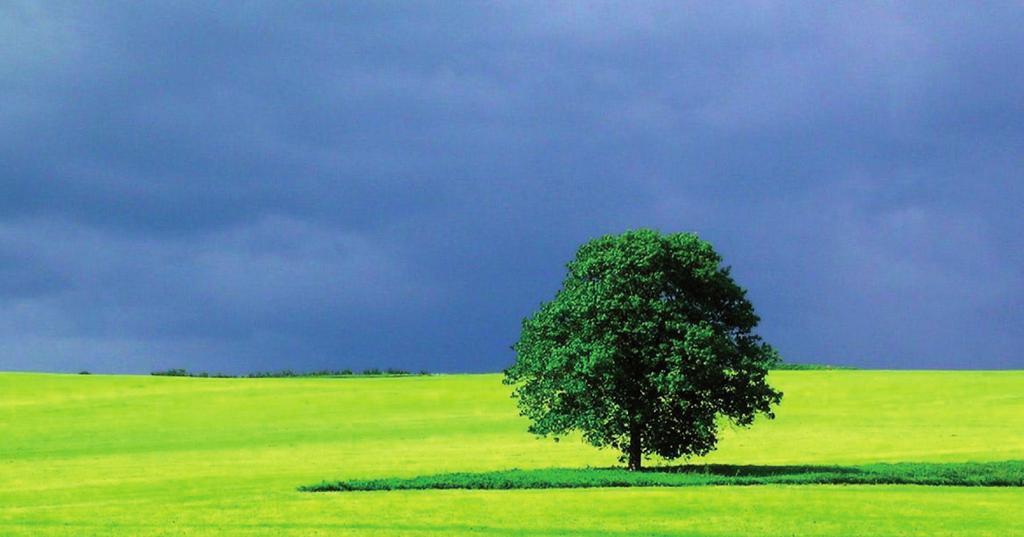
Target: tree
648, 343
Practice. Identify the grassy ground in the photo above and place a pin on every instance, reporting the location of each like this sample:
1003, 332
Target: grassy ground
109, 455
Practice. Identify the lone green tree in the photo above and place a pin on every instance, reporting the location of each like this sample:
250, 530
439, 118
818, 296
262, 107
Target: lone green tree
646, 346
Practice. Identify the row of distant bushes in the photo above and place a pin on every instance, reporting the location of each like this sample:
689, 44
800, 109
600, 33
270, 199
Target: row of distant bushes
373, 371
808, 367
285, 373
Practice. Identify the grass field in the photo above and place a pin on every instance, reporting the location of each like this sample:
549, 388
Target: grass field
138, 455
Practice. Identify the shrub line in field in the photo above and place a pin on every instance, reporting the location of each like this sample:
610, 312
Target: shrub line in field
288, 373
789, 366
994, 474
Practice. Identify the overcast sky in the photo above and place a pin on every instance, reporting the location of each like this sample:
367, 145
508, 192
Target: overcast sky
231, 186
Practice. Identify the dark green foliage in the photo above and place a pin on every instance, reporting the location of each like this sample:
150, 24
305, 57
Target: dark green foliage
646, 345
994, 474
83, 372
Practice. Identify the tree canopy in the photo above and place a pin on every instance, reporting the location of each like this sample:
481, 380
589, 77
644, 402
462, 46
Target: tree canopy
648, 344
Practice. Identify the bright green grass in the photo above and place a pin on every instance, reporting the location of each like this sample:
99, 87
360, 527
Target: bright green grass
121, 455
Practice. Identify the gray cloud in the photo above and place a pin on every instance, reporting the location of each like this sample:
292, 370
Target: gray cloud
277, 185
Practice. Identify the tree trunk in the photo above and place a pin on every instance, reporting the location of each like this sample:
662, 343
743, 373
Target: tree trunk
634, 448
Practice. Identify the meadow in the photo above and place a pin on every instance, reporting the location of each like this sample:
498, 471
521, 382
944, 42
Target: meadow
139, 455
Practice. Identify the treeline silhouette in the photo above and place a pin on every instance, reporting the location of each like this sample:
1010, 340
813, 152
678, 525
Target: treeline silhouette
285, 373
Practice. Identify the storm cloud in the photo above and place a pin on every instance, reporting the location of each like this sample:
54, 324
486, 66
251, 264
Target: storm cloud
249, 186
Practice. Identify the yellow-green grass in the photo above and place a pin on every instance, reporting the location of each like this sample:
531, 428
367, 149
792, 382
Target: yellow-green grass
137, 455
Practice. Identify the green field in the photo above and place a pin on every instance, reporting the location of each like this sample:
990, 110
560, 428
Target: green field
139, 455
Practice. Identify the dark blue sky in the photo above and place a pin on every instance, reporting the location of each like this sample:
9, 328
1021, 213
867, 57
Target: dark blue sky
249, 186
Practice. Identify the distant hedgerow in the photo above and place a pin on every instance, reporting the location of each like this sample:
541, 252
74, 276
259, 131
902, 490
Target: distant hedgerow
787, 366
172, 373
287, 373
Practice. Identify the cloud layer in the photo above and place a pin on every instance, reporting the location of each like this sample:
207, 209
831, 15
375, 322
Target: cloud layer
246, 187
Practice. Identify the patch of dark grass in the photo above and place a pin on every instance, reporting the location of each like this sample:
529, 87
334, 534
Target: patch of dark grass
992, 474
